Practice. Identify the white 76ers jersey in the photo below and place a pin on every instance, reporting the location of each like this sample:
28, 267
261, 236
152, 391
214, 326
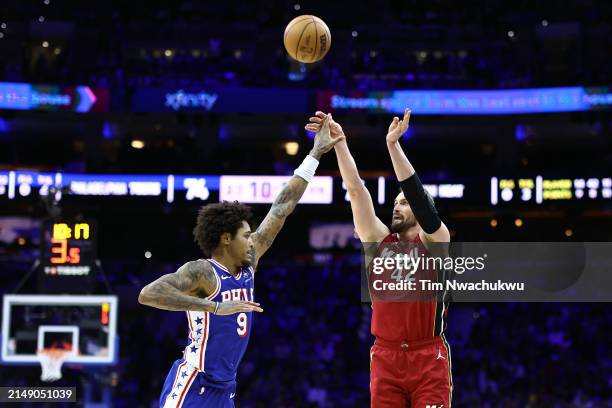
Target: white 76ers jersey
217, 343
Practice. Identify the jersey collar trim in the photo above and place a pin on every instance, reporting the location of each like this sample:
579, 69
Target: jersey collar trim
224, 269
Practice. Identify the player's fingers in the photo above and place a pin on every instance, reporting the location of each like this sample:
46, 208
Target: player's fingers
320, 114
326, 121
251, 309
312, 128
394, 123
248, 302
315, 119
407, 117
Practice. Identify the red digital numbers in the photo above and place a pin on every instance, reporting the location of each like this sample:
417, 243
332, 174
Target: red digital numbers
63, 253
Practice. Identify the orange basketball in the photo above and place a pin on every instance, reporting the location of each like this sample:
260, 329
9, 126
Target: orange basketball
307, 39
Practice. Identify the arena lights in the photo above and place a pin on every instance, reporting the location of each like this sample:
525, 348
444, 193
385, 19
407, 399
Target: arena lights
291, 148
137, 144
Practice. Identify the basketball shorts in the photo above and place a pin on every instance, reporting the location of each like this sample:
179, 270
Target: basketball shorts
410, 374
187, 388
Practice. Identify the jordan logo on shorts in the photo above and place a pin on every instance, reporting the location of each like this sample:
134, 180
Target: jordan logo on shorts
440, 356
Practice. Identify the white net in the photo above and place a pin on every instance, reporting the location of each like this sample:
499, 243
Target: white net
51, 361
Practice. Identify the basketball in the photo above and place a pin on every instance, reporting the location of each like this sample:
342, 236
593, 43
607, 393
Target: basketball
307, 39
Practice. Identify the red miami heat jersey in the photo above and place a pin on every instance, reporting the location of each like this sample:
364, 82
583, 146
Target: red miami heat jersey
415, 319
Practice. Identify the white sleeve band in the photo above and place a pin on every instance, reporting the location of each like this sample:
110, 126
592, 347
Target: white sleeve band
307, 169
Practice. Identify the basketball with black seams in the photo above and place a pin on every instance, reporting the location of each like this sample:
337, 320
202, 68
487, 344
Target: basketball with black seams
307, 39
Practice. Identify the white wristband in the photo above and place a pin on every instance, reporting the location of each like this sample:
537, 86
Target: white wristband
307, 169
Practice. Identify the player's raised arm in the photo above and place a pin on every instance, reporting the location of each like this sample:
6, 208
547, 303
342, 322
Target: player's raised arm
368, 226
290, 195
187, 288
422, 206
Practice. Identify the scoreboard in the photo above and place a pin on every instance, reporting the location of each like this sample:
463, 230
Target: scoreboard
478, 192
539, 190
68, 256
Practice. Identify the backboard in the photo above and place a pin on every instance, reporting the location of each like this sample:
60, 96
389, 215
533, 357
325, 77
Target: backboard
34, 322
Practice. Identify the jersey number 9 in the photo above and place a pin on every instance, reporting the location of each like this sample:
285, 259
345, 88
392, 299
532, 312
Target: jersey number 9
242, 324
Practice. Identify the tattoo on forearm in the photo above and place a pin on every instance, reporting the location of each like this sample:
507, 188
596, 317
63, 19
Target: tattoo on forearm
283, 205
182, 290
287, 199
163, 295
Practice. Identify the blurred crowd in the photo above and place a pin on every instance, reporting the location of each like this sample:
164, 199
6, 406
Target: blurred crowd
392, 45
310, 347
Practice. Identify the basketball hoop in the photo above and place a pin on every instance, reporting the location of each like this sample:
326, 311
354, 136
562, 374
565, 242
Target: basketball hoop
51, 360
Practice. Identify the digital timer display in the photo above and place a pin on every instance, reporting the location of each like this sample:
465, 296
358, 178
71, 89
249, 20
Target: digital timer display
69, 248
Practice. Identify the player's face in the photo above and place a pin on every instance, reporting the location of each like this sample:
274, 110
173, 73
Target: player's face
403, 217
241, 246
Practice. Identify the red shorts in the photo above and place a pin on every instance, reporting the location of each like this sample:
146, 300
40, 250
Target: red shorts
415, 374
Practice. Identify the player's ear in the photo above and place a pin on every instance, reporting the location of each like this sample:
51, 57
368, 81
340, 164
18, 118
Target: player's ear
226, 238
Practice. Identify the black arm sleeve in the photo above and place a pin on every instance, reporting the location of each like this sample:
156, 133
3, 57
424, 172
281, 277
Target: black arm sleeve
421, 203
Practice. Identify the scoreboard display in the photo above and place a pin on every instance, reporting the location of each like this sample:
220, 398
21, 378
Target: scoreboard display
479, 192
68, 256
540, 189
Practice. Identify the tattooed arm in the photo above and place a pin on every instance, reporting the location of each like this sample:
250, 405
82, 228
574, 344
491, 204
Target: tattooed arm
187, 288
283, 205
290, 195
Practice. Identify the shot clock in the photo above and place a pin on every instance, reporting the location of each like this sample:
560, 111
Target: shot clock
68, 256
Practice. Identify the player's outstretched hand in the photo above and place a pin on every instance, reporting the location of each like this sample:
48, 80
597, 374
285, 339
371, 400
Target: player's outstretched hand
398, 127
238, 306
314, 124
324, 141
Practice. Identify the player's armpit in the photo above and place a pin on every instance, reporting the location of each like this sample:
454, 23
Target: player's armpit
283, 205
182, 290
442, 234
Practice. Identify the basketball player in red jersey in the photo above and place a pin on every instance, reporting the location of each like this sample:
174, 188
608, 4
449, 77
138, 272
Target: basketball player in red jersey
410, 359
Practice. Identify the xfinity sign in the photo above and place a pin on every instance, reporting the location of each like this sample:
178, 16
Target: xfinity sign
181, 99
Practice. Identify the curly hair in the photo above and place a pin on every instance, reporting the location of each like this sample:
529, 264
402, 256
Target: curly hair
216, 219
